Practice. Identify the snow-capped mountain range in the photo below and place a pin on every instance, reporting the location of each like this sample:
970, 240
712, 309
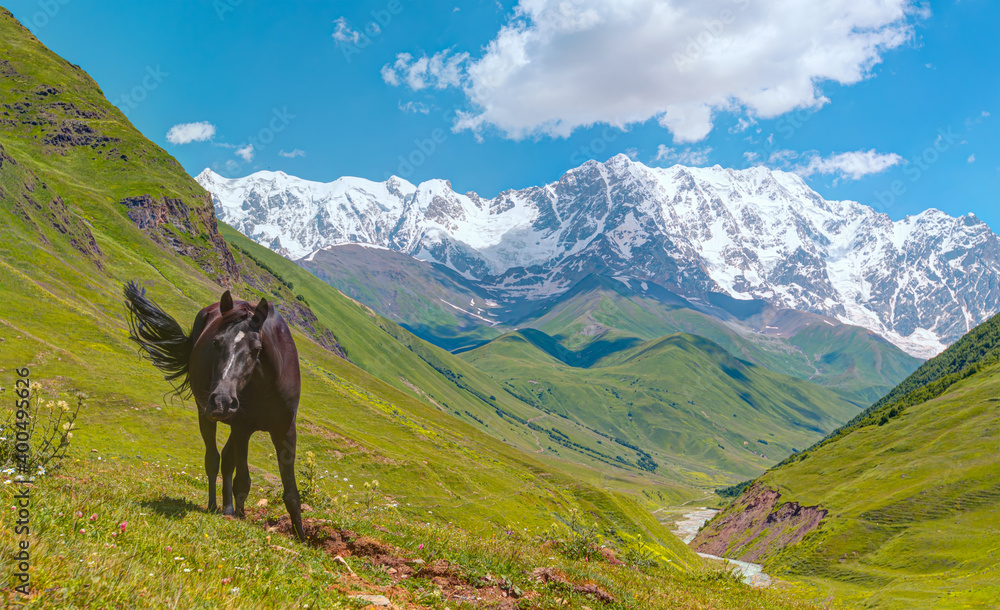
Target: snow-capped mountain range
921, 282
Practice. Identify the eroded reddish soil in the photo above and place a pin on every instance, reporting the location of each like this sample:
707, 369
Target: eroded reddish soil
757, 526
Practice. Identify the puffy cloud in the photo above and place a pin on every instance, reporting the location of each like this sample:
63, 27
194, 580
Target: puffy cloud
344, 33
562, 64
852, 165
972, 158
440, 70
184, 133
292, 154
688, 156
245, 153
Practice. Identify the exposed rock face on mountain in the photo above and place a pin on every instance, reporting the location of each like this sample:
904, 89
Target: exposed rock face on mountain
921, 282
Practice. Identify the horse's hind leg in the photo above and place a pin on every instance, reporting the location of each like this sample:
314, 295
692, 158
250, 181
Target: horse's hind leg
284, 447
228, 465
211, 458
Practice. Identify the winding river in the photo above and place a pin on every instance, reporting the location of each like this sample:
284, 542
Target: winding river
687, 528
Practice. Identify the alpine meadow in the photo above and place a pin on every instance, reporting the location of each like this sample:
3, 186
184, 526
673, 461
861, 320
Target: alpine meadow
594, 305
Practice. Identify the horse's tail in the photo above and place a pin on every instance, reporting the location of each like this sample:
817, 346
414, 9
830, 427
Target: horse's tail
161, 339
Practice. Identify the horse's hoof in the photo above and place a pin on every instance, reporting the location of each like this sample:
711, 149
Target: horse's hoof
228, 511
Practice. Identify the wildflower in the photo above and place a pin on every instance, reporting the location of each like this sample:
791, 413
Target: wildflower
78, 514
83, 531
420, 546
123, 525
227, 580
168, 549
93, 517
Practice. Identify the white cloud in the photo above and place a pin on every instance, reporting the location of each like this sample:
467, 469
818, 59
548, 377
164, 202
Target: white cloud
245, 153
852, 165
687, 156
440, 70
344, 33
292, 154
415, 107
185, 133
972, 158
562, 64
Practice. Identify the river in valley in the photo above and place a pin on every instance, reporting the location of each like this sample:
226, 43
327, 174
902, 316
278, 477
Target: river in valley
686, 528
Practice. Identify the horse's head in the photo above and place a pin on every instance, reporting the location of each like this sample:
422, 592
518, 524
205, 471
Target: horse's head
237, 351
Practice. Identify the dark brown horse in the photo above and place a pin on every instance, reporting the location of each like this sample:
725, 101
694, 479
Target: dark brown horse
240, 363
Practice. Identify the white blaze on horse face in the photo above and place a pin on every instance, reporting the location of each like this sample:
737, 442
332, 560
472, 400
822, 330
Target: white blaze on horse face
232, 357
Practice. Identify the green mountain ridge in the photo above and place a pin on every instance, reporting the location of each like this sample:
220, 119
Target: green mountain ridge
681, 399
910, 487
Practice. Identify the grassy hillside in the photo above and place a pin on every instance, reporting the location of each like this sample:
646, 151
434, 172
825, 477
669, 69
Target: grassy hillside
88, 203
911, 489
682, 399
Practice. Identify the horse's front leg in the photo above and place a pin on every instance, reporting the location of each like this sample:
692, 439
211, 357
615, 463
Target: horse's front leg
241, 482
211, 458
228, 465
284, 448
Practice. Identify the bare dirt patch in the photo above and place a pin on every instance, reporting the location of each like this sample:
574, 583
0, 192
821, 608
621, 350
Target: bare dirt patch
762, 523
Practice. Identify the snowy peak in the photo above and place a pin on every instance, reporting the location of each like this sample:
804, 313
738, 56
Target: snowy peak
756, 233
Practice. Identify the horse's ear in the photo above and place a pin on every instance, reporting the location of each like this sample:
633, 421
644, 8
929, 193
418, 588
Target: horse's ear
259, 315
226, 302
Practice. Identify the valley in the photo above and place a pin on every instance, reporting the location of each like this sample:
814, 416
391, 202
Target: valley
604, 391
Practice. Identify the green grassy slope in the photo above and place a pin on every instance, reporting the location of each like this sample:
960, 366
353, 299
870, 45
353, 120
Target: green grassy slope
912, 489
848, 359
68, 243
683, 399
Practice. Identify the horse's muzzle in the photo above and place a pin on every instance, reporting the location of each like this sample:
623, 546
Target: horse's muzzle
221, 407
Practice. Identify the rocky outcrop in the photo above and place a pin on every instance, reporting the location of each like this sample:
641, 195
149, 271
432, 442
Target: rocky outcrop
183, 228
756, 526
42, 211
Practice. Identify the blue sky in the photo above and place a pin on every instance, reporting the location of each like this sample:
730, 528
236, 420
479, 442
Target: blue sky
893, 103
